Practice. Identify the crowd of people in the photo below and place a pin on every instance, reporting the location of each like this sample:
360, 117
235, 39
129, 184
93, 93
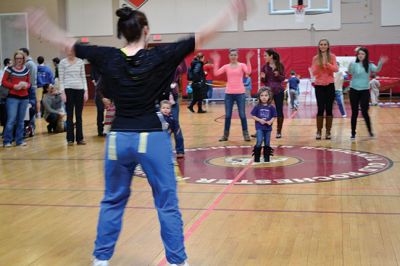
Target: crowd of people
30, 91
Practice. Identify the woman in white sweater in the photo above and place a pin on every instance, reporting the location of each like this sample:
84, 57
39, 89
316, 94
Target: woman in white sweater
74, 93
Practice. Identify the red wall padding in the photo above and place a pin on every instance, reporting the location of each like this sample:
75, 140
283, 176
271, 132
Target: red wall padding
299, 59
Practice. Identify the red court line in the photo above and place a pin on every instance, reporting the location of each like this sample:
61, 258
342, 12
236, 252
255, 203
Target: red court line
293, 114
207, 212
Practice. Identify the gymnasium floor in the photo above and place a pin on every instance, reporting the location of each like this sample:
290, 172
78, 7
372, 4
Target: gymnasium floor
328, 202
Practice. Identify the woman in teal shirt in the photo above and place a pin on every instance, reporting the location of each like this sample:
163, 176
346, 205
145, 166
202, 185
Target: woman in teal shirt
359, 87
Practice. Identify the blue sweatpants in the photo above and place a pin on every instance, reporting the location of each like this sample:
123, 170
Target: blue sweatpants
153, 151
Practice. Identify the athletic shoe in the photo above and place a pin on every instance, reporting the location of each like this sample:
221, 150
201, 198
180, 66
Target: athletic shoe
81, 142
201, 111
371, 134
7, 145
97, 262
353, 137
182, 264
344, 116
191, 109
278, 135
22, 144
180, 155
70, 143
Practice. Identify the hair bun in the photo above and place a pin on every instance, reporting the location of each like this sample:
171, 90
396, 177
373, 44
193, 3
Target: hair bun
124, 12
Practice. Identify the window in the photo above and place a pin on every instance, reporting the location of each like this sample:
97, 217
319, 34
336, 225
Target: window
10, 38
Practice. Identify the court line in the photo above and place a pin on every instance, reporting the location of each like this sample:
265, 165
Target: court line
293, 115
208, 192
212, 207
204, 209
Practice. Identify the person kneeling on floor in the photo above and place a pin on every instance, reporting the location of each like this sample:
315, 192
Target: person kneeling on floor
54, 111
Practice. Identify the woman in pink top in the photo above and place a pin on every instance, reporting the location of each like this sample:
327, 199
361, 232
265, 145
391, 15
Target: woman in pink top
323, 68
235, 91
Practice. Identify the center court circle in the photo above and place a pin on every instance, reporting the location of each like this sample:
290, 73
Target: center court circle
289, 165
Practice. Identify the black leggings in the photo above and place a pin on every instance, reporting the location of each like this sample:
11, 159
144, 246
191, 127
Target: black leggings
359, 99
325, 96
278, 99
75, 99
199, 94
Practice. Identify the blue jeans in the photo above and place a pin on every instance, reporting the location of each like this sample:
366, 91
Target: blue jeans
178, 135
263, 135
210, 89
240, 100
16, 109
339, 101
294, 98
153, 151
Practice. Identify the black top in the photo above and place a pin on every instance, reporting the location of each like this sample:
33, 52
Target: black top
136, 82
197, 71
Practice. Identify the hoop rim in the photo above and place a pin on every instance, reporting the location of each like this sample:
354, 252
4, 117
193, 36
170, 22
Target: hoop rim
299, 7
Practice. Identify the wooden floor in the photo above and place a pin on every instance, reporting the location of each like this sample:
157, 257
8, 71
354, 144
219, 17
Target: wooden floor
50, 194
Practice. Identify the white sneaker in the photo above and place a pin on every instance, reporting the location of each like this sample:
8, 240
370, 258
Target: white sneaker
23, 144
344, 116
97, 262
182, 264
7, 145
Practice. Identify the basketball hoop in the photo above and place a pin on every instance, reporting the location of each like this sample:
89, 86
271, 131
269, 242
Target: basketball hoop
299, 13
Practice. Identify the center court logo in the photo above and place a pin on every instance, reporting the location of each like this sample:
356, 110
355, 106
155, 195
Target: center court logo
289, 165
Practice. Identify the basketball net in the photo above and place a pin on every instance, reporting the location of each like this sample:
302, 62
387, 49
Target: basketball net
299, 13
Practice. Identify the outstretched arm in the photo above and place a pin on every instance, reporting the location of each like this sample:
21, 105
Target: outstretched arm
235, 7
39, 24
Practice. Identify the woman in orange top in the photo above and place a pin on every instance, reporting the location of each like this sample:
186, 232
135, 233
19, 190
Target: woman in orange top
323, 67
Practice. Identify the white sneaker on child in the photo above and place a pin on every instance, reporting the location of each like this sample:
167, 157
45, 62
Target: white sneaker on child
97, 262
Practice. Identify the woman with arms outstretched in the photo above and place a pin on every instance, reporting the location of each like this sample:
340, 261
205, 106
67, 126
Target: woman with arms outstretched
137, 135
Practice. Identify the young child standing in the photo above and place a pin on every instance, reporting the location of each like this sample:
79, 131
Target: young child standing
294, 90
375, 86
173, 126
339, 79
247, 86
264, 114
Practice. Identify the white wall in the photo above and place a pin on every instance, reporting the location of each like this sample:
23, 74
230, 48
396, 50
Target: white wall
182, 16
89, 17
390, 13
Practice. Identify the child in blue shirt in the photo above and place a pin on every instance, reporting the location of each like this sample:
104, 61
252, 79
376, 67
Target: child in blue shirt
264, 114
294, 90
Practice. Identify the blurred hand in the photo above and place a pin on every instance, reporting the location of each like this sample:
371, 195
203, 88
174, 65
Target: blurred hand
249, 55
262, 75
86, 96
276, 73
106, 102
63, 97
384, 59
215, 57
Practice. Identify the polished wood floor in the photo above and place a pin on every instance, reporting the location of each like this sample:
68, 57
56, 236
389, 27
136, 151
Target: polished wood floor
50, 194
